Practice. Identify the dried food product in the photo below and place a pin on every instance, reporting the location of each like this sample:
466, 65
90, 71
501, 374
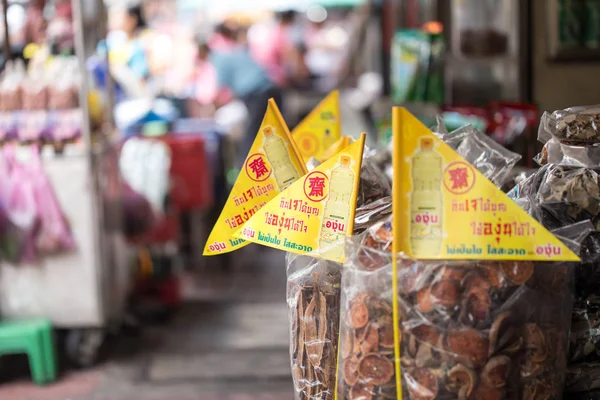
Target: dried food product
313, 293
313, 300
578, 126
467, 330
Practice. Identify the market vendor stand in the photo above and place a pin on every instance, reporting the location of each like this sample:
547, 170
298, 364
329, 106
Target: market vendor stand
84, 291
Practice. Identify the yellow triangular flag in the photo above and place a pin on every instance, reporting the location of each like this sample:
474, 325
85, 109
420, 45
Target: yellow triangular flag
315, 214
272, 165
320, 129
445, 209
335, 148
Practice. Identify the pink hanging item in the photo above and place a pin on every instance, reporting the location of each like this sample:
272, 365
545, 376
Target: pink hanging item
33, 206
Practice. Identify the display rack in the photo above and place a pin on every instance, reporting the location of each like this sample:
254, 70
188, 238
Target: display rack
85, 291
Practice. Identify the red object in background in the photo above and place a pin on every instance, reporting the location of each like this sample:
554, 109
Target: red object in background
191, 175
167, 230
166, 292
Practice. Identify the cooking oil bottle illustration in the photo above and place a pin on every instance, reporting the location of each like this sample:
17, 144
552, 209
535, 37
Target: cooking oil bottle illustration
337, 210
279, 158
426, 201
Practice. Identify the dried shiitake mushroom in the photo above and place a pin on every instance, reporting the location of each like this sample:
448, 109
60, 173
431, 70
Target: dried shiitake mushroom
461, 381
422, 384
375, 369
496, 371
469, 346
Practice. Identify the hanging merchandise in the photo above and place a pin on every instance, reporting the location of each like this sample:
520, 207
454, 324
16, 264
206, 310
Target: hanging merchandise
32, 205
144, 165
273, 164
320, 129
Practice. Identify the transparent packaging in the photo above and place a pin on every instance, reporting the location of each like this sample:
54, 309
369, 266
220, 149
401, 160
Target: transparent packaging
487, 156
468, 330
313, 296
575, 126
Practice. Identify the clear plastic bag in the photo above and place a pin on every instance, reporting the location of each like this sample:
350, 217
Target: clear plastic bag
572, 126
556, 153
313, 296
469, 330
487, 156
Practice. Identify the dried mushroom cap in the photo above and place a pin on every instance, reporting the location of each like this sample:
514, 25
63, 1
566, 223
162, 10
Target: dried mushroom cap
445, 293
453, 273
530, 368
425, 300
350, 372
360, 392
425, 333
359, 314
496, 371
469, 346
386, 334
375, 369
426, 357
473, 280
535, 343
422, 384
491, 273
461, 380
518, 272
371, 341
478, 304
501, 326
408, 277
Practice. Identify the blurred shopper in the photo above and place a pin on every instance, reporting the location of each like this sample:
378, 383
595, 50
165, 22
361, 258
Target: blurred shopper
248, 81
134, 24
278, 48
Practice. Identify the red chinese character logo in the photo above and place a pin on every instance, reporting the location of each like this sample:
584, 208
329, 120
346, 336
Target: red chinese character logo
315, 186
256, 167
459, 177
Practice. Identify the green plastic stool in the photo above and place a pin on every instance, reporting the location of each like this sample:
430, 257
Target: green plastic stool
35, 338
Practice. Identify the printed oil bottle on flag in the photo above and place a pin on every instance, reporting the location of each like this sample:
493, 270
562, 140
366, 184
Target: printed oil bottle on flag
445, 209
316, 213
320, 129
272, 165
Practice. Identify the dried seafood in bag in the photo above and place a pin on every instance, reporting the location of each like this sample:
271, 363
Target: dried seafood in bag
572, 126
467, 330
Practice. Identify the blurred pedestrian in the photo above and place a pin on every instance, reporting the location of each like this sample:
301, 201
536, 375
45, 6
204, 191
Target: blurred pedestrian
247, 81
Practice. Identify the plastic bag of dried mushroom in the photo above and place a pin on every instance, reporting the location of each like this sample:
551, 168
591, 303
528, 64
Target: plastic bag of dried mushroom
468, 330
573, 126
571, 137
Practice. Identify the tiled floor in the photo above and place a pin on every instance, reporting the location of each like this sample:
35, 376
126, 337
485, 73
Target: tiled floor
229, 342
